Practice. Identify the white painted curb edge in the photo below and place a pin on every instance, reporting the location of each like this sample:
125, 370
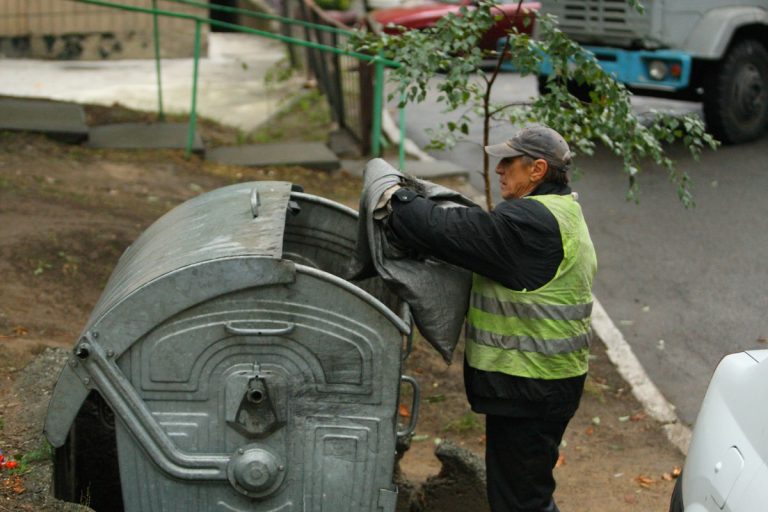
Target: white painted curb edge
629, 367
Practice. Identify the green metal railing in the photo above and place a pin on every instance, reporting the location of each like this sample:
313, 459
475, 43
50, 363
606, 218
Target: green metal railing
378, 62
346, 82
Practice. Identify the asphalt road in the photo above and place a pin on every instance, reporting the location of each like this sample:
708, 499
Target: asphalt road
685, 287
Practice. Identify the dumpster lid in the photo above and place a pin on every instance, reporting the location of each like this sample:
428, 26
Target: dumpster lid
245, 219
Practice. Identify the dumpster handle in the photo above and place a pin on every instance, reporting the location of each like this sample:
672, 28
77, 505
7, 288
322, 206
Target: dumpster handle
255, 202
232, 328
414, 406
408, 345
97, 368
405, 314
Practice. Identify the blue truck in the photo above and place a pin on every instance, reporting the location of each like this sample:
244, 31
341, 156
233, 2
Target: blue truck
711, 51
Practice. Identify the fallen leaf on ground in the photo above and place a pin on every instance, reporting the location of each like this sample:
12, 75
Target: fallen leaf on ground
630, 498
590, 431
667, 477
638, 417
644, 481
560, 461
14, 484
20, 331
404, 412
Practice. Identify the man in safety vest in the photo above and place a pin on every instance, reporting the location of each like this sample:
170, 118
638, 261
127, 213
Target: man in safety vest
528, 324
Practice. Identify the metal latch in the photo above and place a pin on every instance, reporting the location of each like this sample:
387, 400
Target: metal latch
249, 407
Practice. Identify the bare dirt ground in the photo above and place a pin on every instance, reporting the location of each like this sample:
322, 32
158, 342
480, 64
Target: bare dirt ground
68, 212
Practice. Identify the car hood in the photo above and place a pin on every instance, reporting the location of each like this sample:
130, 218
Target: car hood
402, 15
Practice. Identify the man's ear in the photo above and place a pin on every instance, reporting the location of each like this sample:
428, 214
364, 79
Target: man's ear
540, 167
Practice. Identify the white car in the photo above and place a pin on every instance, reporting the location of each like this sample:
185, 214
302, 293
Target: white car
726, 469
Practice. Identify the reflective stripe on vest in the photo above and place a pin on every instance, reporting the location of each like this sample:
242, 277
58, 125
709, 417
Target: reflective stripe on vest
541, 333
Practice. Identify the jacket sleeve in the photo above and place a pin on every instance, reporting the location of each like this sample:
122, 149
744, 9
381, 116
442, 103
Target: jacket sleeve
518, 244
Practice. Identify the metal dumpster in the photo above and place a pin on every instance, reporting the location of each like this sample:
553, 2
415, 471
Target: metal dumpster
228, 367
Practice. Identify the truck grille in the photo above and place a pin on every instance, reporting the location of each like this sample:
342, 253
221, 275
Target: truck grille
612, 22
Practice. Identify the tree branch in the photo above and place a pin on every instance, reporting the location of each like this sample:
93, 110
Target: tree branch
486, 108
508, 105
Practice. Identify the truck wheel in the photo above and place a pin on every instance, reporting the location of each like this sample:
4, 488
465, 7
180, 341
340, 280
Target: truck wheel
736, 95
580, 92
676, 502
541, 83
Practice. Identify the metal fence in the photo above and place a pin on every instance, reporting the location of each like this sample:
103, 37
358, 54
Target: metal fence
346, 82
378, 63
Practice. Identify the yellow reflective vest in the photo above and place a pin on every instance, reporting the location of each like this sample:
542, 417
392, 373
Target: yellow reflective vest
542, 333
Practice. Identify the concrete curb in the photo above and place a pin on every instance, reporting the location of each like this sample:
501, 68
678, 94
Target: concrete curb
643, 388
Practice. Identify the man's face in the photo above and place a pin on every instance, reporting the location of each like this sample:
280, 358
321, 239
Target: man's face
515, 177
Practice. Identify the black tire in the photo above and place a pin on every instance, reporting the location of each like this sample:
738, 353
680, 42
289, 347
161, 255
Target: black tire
736, 94
541, 83
676, 501
580, 92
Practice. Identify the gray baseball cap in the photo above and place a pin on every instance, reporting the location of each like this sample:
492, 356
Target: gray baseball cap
537, 141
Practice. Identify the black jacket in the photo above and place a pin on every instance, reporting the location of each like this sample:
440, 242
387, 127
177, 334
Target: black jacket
518, 245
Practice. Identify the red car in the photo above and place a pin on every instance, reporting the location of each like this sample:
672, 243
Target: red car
426, 15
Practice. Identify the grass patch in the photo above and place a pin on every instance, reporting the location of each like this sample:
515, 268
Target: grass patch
308, 118
467, 423
596, 387
43, 452
5, 183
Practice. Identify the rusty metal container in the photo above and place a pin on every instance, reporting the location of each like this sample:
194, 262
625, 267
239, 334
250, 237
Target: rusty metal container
228, 367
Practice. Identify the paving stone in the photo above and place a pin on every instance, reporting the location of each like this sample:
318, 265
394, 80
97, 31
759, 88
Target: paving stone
143, 136
59, 120
314, 155
342, 143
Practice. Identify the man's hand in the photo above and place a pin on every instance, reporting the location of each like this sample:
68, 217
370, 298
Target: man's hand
384, 206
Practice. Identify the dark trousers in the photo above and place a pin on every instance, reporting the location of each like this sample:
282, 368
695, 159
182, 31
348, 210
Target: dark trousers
520, 455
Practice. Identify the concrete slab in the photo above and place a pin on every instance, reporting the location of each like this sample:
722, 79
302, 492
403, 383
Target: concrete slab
427, 170
62, 121
143, 136
231, 87
314, 155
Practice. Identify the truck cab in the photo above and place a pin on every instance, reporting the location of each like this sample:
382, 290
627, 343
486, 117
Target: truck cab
712, 51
